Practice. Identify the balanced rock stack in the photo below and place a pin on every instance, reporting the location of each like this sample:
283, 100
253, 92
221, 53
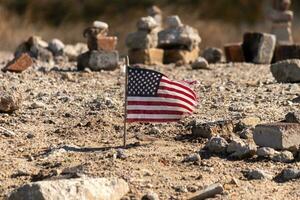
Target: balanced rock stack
180, 42
156, 13
101, 54
142, 44
281, 18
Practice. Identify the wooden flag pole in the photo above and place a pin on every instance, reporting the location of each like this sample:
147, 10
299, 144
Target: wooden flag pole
125, 105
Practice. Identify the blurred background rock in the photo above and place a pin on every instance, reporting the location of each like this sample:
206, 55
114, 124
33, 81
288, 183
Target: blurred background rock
218, 21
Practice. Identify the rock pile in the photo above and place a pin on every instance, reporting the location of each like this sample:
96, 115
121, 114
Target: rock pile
101, 54
142, 44
180, 42
281, 18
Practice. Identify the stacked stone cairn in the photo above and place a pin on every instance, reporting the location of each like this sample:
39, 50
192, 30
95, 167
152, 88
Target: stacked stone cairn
101, 54
281, 18
156, 13
180, 42
142, 44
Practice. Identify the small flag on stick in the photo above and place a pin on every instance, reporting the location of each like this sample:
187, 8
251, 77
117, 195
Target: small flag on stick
152, 97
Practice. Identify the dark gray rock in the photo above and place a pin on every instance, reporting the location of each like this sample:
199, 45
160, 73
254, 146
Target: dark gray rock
293, 117
212, 55
97, 61
287, 71
259, 47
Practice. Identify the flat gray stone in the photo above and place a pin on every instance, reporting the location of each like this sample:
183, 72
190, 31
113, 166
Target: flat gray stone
97, 61
287, 71
208, 192
277, 135
75, 189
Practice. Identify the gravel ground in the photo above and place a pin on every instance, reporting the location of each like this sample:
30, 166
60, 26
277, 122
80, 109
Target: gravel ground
72, 121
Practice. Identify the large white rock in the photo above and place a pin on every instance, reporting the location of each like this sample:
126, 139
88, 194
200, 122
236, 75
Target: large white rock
72, 189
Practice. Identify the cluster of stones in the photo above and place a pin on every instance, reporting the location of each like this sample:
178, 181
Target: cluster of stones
279, 142
180, 42
143, 43
151, 44
35, 48
101, 54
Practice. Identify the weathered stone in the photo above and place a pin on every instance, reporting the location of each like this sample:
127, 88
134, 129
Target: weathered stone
147, 24
173, 21
151, 56
212, 55
107, 44
217, 145
266, 152
277, 135
281, 5
195, 157
156, 13
36, 48
141, 40
259, 47
282, 17
286, 52
234, 52
56, 47
150, 196
76, 189
181, 37
98, 61
180, 56
257, 174
208, 192
210, 129
289, 174
10, 100
283, 33
19, 64
284, 157
247, 123
200, 63
73, 51
246, 133
238, 149
287, 71
293, 117
100, 25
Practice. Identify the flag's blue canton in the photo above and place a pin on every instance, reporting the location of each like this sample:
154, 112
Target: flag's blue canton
143, 82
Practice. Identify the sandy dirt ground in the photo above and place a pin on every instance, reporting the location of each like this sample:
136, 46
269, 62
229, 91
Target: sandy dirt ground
73, 121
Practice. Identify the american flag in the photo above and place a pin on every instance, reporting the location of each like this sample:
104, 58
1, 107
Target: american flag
152, 97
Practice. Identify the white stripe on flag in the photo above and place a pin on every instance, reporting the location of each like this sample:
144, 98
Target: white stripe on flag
171, 108
153, 116
176, 94
176, 87
160, 99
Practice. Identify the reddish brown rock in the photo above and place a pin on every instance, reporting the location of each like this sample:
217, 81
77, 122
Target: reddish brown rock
146, 56
234, 52
19, 64
287, 51
107, 44
180, 56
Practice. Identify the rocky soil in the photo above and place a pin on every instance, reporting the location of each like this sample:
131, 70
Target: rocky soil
71, 124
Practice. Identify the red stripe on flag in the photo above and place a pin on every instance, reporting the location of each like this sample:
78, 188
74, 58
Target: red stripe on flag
163, 112
178, 91
176, 97
179, 85
151, 120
